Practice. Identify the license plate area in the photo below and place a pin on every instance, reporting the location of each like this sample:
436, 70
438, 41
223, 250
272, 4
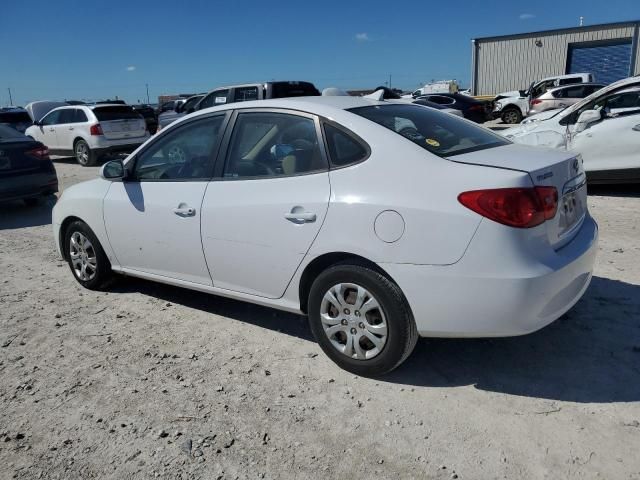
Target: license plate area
571, 210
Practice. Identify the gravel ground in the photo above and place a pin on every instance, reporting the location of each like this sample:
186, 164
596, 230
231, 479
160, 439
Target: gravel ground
149, 381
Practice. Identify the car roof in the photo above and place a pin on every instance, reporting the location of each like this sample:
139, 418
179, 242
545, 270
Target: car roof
584, 84
318, 105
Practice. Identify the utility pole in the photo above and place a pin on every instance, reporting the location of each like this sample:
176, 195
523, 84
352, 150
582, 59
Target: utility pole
147, 85
10, 98
389, 81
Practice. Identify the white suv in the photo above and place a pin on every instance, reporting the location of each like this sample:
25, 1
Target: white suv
90, 131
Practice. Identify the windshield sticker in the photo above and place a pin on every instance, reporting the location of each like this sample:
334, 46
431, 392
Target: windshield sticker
432, 142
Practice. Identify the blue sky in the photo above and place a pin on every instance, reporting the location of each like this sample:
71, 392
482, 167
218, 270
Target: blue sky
91, 50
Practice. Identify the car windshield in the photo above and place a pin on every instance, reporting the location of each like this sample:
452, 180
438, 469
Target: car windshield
14, 117
115, 112
439, 133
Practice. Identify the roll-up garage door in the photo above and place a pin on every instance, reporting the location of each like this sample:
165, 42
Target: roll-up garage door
608, 62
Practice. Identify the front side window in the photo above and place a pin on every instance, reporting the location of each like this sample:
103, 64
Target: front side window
186, 153
616, 103
436, 132
272, 145
52, 118
574, 92
245, 94
343, 148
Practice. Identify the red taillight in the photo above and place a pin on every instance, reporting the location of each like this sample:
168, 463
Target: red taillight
40, 152
535, 101
515, 207
476, 108
96, 129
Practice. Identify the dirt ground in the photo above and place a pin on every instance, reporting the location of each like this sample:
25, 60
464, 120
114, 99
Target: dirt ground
151, 381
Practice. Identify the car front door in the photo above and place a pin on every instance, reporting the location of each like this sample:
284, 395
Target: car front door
46, 131
262, 213
153, 217
612, 143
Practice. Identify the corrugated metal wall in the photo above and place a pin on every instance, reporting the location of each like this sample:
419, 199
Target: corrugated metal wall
513, 63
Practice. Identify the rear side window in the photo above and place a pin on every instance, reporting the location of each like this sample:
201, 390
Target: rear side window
436, 132
79, 116
115, 112
343, 148
214, 99
66, 116
244, 94
14, 117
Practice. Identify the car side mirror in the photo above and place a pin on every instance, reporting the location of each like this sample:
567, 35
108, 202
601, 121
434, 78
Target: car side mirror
178, 108
37, 123
587, 118
113, 170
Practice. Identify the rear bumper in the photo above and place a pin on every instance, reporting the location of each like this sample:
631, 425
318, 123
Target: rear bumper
28, 186
516, 298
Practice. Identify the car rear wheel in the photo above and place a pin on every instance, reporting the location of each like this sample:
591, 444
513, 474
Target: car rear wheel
87, 260
84, 155
512, 116
361, 319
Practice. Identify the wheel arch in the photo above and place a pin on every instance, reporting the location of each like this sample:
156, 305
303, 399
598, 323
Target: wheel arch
63, 232
326, 260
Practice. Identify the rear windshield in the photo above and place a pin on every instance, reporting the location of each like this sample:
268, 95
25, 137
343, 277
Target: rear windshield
440, 133
14, 117
105, 114
8, 133
294, 89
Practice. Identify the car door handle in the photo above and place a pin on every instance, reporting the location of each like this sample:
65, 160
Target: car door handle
299, 215
184, 211
636, 128
70, 128
52, 129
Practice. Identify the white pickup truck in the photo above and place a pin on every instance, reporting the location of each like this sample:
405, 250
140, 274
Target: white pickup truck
513, 106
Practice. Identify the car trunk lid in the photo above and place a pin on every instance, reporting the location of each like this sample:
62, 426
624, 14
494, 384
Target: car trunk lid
546, 168
15, 157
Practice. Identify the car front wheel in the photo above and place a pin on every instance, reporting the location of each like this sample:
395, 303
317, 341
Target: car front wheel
512, 116
87, 260
361, 319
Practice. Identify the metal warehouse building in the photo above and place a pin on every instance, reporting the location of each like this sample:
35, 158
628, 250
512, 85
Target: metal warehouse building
511, 62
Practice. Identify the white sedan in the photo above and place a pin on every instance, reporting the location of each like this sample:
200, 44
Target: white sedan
381, 221
604, 128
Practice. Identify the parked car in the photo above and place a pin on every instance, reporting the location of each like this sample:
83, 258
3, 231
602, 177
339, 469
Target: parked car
443, 86
26, 171
603, 128
334, 207
437, 106
561, 97
149, 115
472, 109
16, 118
170, 105
89, 132
180, 110
257, 91
513, 106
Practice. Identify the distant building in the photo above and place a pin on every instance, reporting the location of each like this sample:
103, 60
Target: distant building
511, 62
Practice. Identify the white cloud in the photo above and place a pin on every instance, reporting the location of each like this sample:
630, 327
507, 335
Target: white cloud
131, 68
363, 37
527, 16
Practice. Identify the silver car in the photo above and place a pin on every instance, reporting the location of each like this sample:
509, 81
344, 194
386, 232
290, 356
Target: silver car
561, 97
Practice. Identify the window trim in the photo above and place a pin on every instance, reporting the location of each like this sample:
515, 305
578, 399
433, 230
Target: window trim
221, 162
349, 133
130, 165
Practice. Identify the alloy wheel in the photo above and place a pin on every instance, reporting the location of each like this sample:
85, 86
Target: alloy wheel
82, 152
83, 257
354, 321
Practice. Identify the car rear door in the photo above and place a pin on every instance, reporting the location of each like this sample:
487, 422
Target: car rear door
265, 208
153, 217
120, 122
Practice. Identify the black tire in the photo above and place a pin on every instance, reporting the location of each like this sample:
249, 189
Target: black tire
512, 116
402, 333
84, 155
103, 273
